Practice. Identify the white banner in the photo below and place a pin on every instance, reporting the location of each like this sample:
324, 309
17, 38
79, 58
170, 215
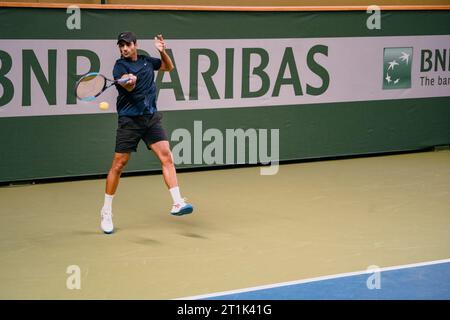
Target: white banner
278, 71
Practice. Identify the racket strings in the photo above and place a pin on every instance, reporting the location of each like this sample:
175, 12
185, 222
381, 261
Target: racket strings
89, 87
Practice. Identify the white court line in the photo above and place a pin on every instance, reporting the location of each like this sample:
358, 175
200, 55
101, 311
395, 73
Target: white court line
340, 275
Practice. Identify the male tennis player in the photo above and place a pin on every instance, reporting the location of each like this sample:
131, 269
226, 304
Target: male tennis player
138, 119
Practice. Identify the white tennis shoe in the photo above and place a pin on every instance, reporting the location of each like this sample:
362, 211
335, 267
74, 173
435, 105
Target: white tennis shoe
182, 208
107, 223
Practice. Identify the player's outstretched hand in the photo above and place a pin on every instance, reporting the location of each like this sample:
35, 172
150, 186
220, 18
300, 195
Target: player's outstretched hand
159, 43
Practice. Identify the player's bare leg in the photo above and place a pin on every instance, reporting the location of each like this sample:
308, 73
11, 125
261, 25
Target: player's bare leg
162, 151
120, 160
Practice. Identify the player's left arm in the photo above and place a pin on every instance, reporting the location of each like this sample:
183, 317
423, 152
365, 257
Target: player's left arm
166, 62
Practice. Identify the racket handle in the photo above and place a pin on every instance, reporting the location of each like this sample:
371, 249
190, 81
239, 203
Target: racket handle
123, 80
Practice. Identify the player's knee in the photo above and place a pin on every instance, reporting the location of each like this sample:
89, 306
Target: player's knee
119, 165
166, 158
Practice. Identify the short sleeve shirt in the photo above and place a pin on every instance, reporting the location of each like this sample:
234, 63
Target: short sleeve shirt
142, 99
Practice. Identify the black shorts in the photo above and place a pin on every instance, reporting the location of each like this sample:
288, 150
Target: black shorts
131, 130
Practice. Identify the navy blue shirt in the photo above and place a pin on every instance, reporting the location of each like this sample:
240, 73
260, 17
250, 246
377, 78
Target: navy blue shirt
142, 99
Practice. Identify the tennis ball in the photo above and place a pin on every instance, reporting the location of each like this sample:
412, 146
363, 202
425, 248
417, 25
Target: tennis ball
103, 105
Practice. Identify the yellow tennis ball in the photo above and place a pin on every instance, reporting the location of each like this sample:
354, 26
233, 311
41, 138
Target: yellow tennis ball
103, 105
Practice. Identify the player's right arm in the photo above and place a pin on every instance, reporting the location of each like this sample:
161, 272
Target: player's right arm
120, 72
130, 84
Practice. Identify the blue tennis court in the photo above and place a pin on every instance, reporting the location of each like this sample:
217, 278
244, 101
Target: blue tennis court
423, 281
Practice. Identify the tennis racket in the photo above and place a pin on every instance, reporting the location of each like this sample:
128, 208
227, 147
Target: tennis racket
92, 84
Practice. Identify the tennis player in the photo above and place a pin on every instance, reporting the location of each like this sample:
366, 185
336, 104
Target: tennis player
138, 119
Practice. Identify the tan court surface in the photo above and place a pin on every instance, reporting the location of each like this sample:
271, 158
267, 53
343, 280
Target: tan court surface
311, 219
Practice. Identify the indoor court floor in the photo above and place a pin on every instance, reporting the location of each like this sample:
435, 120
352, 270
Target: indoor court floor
312, 220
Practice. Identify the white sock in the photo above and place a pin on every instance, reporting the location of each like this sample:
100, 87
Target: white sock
175, 193
107, 206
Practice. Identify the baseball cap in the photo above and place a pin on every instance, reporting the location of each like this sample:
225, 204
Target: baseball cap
126, 36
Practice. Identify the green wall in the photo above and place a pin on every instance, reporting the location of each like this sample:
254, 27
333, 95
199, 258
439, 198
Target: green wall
77, 145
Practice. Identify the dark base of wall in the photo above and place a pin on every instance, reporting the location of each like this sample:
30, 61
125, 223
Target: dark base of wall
217, 167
